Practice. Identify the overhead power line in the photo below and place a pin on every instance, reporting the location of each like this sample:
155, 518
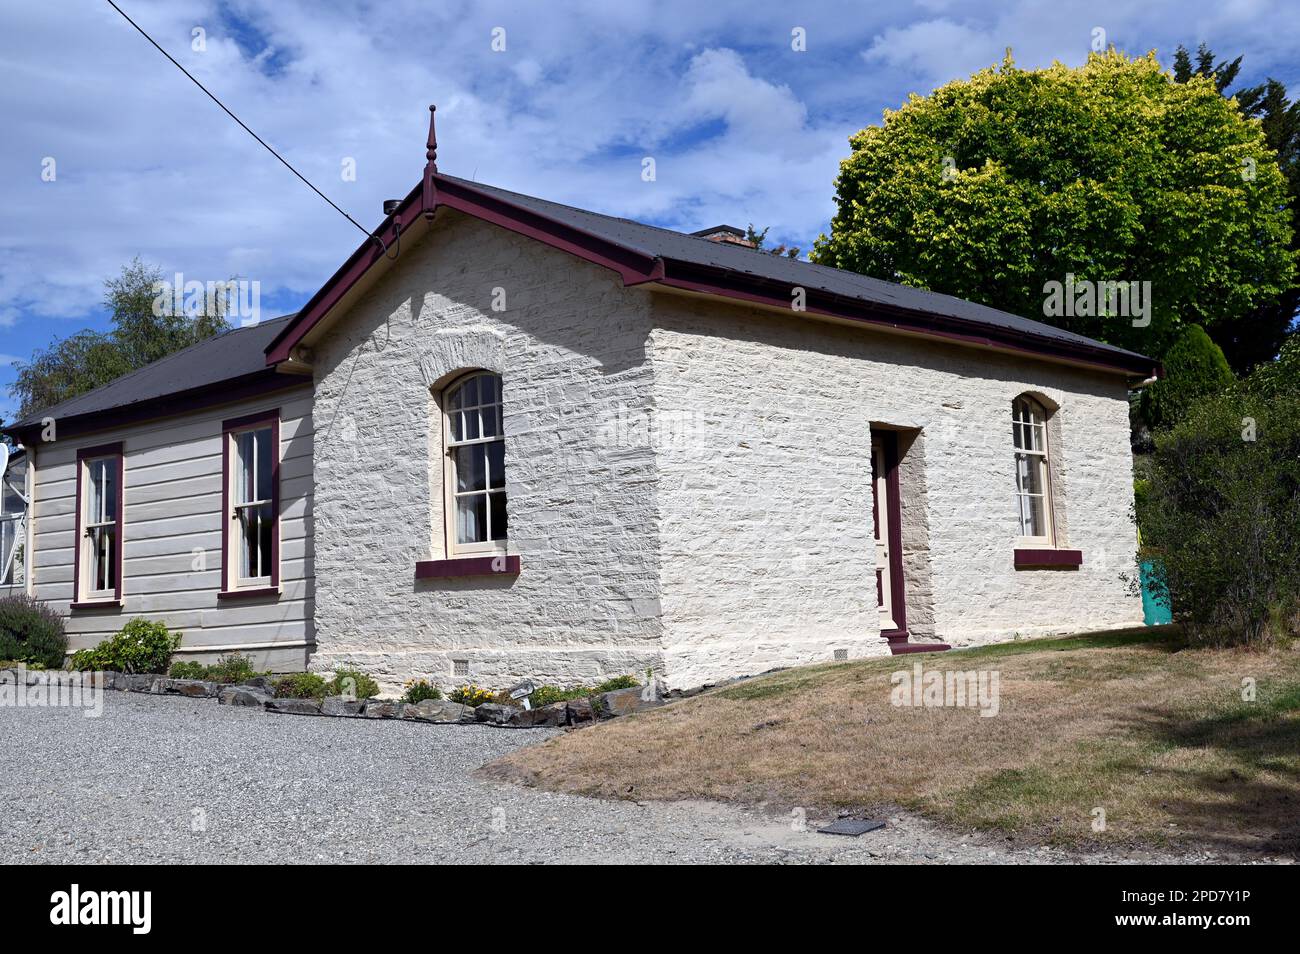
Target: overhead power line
227, 111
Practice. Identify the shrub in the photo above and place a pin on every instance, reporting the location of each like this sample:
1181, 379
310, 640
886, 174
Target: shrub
141, 646
417, 690
31, 632
1195, 369
545, 695
1219, 519
350, 682
1276, 378
231, 669
187, 670
302, 685
473, 696
227, 670
618, 682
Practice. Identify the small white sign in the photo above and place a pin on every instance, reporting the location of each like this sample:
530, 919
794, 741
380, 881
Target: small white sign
523, 691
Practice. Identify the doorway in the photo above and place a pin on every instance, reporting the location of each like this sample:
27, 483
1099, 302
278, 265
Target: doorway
886, 515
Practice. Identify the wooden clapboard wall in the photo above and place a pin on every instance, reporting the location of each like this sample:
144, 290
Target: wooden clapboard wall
172, 511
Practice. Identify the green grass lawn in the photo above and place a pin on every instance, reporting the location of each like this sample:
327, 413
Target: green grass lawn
1132, 726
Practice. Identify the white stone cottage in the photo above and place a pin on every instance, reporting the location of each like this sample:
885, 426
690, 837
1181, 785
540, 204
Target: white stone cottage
511, 438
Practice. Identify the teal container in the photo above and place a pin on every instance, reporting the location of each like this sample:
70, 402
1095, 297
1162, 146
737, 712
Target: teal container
1155, 611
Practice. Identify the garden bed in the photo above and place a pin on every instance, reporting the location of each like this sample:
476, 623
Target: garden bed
260, 692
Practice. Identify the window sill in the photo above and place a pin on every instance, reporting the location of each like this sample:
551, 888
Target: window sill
95, 604
497, 565
250, 593
1047, 558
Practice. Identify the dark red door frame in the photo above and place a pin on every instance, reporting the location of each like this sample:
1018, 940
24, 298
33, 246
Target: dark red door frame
894, 517
898, 637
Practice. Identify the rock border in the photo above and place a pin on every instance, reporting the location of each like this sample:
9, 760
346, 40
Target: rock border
259, 692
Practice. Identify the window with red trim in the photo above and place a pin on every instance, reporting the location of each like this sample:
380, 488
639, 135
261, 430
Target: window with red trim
251, 534
476, 476
98, 570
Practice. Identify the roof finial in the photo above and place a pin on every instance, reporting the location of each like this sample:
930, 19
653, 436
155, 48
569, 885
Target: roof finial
429, 199
432, 154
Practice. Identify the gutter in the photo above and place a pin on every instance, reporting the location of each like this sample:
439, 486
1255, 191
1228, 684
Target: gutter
728, 284
637, 267
177, 403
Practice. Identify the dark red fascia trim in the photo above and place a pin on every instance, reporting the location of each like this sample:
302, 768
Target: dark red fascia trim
1028, 558
367, 254
258, 384
467, 566
637, 267
761, 291
90, 453
249, 421
632, 266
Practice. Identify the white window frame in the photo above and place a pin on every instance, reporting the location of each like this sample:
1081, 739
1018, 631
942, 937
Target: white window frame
1029, 416
450, 494
15, 482
234, 580
93, 525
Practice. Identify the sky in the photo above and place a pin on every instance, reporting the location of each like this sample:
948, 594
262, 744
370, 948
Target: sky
109, 152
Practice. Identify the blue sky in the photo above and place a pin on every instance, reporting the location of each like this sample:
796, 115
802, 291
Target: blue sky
742, 127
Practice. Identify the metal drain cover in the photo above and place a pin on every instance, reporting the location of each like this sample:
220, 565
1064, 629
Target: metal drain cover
851, 826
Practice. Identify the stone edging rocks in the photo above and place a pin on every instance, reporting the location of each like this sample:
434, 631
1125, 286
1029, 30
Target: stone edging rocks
259, 692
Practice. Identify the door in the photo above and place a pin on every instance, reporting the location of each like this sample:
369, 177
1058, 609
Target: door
880, 519
885, 511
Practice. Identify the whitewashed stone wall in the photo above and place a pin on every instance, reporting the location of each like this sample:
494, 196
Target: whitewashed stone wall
689, 481
766, 540
570, 346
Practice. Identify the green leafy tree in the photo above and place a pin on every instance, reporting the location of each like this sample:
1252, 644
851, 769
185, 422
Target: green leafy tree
1223, 74
1275, 379
70, 366
989, 188
758, 239
1256, 336
1220, 507
1195, 368
1219, 516
141, 334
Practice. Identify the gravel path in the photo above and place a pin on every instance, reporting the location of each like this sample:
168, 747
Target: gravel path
134, 785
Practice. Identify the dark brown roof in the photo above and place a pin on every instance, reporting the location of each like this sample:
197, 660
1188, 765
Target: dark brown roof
643, 254
230, 362
695, 250
242, 361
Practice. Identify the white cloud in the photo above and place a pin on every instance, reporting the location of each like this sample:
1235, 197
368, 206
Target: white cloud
742, 128
935, 50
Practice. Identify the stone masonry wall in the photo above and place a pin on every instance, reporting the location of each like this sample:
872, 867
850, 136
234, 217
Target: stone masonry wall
689, 481
570, 346
765, 490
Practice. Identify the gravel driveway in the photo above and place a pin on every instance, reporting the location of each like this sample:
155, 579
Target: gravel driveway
162, 779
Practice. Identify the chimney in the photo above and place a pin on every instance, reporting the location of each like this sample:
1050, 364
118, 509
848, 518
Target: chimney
727, 234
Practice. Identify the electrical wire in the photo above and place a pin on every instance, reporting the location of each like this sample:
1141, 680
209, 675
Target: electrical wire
226, 109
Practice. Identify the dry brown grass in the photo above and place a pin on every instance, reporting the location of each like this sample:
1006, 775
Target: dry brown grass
1134, 723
